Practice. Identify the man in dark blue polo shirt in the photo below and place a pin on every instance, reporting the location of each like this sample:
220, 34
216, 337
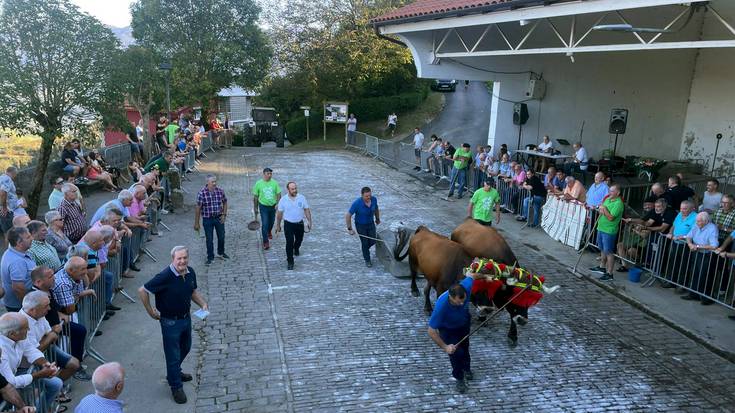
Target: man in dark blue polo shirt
174, 287
367, 215
449, 323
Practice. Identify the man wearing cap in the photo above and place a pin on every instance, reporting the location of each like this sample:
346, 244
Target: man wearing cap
483, 202
292, 209
266, 194
56, 196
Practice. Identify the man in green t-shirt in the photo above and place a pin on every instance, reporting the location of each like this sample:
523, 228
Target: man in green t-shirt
608, 224
266, 194
461, 158
171, 131
483, 202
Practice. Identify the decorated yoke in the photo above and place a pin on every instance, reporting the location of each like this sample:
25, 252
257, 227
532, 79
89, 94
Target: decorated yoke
499, 275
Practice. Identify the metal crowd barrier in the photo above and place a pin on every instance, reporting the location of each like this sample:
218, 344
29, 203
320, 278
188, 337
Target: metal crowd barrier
34, 395
118, 155
90, 311
206, 143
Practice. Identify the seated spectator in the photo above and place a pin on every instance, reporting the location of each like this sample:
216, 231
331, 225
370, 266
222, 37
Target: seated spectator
545, 146
536, 198
117, 176
15, 268
724, 217
676, 192
712, 197
658, 191
10, 395
44, 280
92, 242
55, 235
54, 199
504, 166
70, 161
597, 191
658, 218
96, 173
42, 252
108, 381
15, 347
135, 171
702, 239
21, 221
123, 201
579, 162
36, 304
72, 215
558, 183
574, 190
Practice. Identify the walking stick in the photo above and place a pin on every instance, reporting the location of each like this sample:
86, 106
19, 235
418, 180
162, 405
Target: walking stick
490, 317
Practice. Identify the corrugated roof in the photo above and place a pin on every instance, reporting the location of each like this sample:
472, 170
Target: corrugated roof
428, 8
235, 91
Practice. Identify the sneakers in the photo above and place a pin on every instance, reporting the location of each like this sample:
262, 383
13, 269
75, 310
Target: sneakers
223, 257
621, 269
113, 307
296, 252
468, 375
598, 270
461, 387
369, 264
606, 277
82, 375
164, 211
266, 245
416, 168
290, 266
186, 377
134, 267
270, 236
520, 219
208, 263
179, 395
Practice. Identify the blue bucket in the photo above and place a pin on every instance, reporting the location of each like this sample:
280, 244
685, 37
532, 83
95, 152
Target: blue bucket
634, 274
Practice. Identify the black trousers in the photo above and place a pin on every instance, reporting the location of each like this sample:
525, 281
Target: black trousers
367, 230
461, 358
294, 232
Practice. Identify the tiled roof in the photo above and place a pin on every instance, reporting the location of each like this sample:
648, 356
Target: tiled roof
427, 8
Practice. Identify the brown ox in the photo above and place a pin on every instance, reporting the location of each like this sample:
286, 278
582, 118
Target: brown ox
482, 241
440, 259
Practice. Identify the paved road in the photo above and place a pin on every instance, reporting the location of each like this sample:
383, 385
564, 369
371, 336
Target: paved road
334, 336
466, 116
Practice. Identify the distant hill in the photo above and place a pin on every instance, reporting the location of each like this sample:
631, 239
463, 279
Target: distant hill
124, 34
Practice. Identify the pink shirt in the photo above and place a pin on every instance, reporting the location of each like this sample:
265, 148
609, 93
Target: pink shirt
520, 178
136, 208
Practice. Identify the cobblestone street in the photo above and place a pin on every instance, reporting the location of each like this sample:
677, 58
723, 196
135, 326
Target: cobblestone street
333, 335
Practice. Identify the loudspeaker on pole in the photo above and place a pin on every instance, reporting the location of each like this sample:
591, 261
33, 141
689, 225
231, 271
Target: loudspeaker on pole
618, 121
520, 114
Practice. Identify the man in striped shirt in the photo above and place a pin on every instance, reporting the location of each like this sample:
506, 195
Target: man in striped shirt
75, 224
41, 252
212, 208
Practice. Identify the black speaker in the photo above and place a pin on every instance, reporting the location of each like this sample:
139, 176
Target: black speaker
618, 121
520, 114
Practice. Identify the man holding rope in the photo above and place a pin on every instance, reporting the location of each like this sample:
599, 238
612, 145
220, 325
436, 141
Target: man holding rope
367, 215
292, 209
449, 327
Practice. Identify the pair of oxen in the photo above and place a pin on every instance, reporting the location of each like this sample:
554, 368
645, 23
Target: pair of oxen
443, 261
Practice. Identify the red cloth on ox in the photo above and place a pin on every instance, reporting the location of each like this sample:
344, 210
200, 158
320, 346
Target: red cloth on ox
489, 287
527, 298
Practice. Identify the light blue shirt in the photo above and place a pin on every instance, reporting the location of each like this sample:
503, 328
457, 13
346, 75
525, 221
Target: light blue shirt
706, 235
682, 226
15, 266
97, 404
504, 168
7, 185
596, 194
115, 203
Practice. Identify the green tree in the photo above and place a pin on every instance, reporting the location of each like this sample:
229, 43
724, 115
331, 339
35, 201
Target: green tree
212, 44
137, 76
54, 73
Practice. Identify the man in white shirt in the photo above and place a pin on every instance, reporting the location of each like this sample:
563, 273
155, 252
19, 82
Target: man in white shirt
293, 209
579, 162
351, 129
36, 305
15, 347
392, 121
418, 143
544, 147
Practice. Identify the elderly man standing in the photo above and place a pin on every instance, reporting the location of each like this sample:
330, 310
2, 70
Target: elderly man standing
597, 191
15, 268
212, 208
367, 216
15, 347
266, 194
108, 381
72, 215
611, 212
683, 223
8, 200
41, 252
724, 217
574, 190
36, 305
175, 288
292, 209
701, 240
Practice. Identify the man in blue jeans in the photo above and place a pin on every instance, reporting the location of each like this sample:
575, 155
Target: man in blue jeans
266, 195
212, 208
175, 288
461, 158
367, 215
536, 198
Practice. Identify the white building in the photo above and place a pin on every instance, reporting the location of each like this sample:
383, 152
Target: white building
669, 63
236, 103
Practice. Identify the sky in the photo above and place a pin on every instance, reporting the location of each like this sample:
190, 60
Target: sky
110, 12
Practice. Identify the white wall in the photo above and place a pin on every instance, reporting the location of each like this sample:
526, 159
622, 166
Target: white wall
711, 108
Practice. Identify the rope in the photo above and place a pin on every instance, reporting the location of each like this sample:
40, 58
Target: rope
491, 316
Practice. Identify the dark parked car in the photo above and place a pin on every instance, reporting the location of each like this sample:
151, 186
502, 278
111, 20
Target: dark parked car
445, 84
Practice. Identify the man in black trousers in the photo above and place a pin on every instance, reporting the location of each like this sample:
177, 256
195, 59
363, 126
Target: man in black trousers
292, 209
175, 288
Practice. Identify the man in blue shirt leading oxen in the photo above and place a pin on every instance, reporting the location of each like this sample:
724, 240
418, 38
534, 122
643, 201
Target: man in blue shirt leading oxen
367, 215
449, 323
